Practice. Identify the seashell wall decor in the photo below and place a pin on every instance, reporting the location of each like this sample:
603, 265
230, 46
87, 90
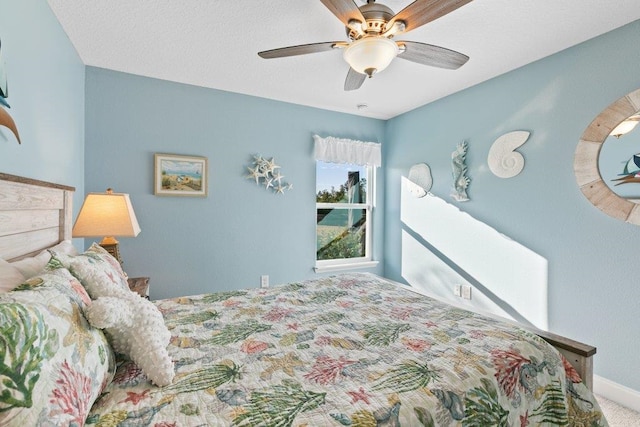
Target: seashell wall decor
504, 161
421, 181
460, 179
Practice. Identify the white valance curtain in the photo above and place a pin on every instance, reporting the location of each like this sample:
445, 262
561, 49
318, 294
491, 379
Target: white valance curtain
340, 150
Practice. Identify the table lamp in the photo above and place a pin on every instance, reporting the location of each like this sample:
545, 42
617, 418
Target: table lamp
107, 214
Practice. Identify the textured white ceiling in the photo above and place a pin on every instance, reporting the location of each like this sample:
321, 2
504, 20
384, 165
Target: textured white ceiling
214, 44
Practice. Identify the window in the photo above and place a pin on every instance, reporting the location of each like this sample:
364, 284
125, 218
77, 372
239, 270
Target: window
343, 213
345, 172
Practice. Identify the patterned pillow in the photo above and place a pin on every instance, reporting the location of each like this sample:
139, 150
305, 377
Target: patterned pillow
98, 271
53, 364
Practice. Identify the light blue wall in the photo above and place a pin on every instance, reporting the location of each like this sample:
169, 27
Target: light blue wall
240, 231
46, 94
593, 285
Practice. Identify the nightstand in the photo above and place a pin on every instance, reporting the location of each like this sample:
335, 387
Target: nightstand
140, 285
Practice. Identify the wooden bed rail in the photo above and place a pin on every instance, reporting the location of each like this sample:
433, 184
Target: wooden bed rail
580, 355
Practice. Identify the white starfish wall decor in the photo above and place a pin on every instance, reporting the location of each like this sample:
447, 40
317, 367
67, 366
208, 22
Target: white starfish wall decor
264, 173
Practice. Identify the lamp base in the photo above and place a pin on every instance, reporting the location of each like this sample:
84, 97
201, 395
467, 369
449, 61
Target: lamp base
113, 249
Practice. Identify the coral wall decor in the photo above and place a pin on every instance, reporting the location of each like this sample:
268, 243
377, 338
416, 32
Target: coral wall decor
504, 161
266, 173
460, 179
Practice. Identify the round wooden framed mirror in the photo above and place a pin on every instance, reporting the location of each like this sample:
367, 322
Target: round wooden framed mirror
585, 162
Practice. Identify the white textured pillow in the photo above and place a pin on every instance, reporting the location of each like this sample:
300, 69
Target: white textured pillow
33, 266
10, 276
123, 316
120, 312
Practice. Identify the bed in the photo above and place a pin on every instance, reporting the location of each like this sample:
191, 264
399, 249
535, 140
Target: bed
346, 350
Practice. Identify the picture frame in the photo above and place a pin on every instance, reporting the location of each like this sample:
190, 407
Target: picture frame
180, 175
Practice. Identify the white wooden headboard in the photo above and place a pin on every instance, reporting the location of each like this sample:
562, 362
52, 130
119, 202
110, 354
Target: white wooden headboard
34, 215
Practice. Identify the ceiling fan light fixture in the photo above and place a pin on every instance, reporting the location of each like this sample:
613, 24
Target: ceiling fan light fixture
370, 55
626, 126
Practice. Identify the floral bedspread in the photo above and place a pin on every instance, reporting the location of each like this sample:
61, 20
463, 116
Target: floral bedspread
349, 350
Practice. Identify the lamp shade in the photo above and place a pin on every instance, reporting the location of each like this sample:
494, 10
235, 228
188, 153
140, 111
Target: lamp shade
106, 214
370, 55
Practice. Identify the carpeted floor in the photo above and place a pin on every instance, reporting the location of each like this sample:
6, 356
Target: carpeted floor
617, 415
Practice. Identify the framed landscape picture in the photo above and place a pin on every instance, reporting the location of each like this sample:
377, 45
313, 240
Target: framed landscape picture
177, 175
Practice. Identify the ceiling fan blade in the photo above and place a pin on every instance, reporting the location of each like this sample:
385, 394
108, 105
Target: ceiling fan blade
421, 12
302, 49
354, 80
434, 56
345, 10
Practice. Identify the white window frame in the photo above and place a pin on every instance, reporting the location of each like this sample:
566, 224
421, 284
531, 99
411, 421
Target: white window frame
328, 265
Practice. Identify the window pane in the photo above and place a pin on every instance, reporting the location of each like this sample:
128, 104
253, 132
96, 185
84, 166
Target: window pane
340, 183
340, 233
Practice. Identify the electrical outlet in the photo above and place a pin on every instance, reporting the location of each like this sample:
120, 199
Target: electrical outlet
264, 281
457, 290
466, 292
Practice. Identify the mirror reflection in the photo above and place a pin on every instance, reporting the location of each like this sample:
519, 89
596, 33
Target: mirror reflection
619, 159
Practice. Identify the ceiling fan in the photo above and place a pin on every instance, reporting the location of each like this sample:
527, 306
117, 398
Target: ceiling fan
370, 29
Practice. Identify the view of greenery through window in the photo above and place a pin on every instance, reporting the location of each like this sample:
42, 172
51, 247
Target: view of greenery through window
341, 226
